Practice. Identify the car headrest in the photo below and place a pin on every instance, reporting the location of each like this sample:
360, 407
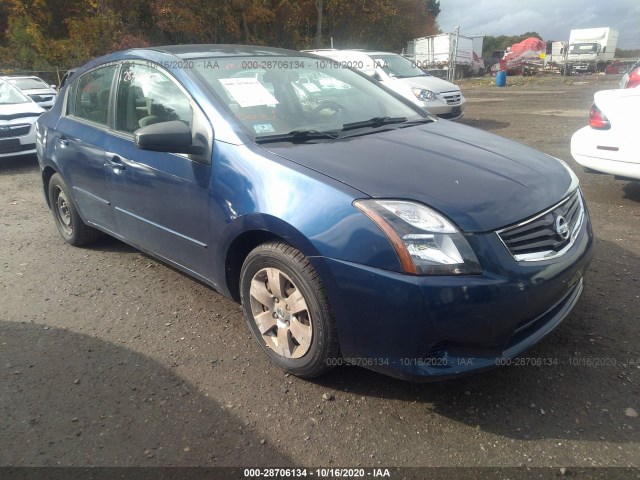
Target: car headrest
286, 76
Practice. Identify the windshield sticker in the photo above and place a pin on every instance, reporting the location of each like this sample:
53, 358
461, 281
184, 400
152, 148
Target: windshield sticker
248, 92
264, 128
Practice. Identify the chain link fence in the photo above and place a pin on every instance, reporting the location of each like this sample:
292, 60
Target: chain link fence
52, 77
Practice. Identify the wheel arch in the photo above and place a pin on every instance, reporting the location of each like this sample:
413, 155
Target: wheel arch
257, 230
47, 173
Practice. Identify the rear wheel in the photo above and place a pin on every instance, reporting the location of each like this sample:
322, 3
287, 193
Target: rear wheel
288, 311
70, 225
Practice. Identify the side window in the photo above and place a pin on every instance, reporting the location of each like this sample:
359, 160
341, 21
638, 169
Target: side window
71, 99
89, 96
147, 96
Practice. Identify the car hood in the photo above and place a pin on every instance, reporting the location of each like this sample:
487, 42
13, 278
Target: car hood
17, 110
434, 84
481, 181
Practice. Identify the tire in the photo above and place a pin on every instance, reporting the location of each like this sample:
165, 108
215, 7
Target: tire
287, 310
66, 217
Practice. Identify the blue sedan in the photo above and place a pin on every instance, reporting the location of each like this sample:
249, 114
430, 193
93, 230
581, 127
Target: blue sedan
352, 226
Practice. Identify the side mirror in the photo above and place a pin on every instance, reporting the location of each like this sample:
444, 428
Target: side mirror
54, 86
174, 137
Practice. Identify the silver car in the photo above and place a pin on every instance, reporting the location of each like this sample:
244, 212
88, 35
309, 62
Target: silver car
36, 88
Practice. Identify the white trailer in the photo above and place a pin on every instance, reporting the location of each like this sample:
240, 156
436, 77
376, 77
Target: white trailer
556, 52
590, 49
447, 50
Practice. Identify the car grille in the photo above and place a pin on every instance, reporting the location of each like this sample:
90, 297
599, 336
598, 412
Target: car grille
13, 116
547, 235
452, 98
43, 98
10, 131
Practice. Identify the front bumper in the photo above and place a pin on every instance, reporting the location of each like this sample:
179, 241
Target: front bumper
11, 146
431, 328
583, 65
442, 109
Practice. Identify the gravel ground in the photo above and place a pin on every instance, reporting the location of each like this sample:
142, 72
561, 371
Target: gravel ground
108, 357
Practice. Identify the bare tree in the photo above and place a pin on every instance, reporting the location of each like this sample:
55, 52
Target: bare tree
319, 8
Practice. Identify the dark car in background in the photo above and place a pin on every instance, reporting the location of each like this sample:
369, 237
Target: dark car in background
631, 78
352, 225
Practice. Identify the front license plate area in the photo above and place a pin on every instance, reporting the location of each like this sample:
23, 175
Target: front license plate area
10, 145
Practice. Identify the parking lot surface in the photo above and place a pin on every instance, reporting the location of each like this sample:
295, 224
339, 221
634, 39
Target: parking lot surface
108, 357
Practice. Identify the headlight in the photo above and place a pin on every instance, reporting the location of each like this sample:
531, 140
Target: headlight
41, 134
574, 179
424, 95
425, 241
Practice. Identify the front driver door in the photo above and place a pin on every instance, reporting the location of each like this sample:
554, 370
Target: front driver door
161, 200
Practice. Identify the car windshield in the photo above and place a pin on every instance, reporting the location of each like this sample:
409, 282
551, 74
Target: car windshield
282, 95
28, 83
398, 66
583, 48
10, 95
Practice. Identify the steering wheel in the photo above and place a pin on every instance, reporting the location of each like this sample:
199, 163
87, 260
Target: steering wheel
327, 105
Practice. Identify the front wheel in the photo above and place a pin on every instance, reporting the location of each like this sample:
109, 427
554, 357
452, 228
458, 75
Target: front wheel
288, 311
70, 225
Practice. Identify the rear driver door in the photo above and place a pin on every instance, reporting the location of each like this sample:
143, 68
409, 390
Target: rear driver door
79, 142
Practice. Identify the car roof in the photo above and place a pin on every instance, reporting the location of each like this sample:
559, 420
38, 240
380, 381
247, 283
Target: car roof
221, 50
187, 52
171, 53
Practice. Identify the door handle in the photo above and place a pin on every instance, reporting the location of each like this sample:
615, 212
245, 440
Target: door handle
64, 142
115, 162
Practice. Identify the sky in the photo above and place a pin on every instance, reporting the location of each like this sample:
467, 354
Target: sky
552, 19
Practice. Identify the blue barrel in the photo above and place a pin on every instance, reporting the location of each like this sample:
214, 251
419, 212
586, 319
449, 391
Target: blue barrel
501, 78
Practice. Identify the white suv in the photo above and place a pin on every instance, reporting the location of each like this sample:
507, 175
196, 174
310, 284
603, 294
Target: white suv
401, 75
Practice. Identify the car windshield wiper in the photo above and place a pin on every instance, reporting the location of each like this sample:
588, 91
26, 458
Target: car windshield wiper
373, 122
418, 121
297, 136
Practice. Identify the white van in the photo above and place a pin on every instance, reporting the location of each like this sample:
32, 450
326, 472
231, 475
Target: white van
401, 75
